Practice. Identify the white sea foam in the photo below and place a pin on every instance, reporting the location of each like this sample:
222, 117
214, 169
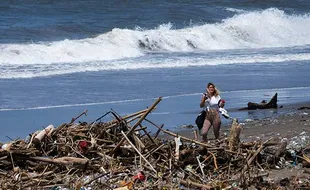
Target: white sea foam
41, 70
235, 10
117, 49
74, 105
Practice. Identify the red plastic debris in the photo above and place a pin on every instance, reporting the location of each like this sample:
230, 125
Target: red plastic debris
83, 146
140, 176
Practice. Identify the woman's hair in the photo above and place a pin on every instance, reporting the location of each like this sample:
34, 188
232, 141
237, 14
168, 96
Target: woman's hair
216, 91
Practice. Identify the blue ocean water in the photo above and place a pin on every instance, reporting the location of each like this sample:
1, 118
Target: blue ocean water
58, 58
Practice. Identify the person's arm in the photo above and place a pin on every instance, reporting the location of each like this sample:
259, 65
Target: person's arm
203, 99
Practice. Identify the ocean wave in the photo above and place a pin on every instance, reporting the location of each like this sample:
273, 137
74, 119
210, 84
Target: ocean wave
118, 48
176, 61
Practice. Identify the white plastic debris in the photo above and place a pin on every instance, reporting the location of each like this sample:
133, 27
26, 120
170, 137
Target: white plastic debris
298, 142
178, 143
224, 112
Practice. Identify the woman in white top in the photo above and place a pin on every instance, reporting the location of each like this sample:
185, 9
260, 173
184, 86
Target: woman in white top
211, 102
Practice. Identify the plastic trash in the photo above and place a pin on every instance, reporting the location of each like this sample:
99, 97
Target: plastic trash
298, 142
224, 113
83, 145
189, 168
140, 176
6, 146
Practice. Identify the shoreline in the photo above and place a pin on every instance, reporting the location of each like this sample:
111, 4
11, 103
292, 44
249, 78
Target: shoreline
290, 122
259, 123
286, 121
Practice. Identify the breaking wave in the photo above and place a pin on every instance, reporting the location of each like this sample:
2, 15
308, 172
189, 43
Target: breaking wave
119, 48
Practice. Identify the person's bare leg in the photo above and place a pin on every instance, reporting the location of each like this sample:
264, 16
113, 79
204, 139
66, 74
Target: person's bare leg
217, 125
204, 130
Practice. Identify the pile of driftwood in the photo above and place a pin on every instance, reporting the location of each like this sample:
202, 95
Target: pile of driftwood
122, 154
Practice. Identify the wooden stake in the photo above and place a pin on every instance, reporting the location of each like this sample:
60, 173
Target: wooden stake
185, 138
147, 134
137, 124
201, 167
125, 136
234, 135
62, 160
189, 183
73, 119
159, 129
134, 114
249, 162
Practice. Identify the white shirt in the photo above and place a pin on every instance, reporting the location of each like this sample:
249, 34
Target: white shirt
212, 102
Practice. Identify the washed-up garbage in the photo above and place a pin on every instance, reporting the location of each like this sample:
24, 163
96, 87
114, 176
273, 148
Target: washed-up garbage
122, 154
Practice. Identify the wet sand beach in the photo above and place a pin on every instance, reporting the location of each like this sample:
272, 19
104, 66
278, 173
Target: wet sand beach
287, 121
288, 125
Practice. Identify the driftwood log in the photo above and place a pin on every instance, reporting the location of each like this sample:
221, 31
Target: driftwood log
63, 160
274, 159
45, 132
263, 105
234, 135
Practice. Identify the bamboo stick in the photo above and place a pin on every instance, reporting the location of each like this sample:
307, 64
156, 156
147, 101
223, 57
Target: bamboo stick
59, 128
62, 160
75, 118
189, 183
249, 162
158, 131
147, 134
201, 168
125, 136
138, 122
185, 138
135, 114
153, 151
